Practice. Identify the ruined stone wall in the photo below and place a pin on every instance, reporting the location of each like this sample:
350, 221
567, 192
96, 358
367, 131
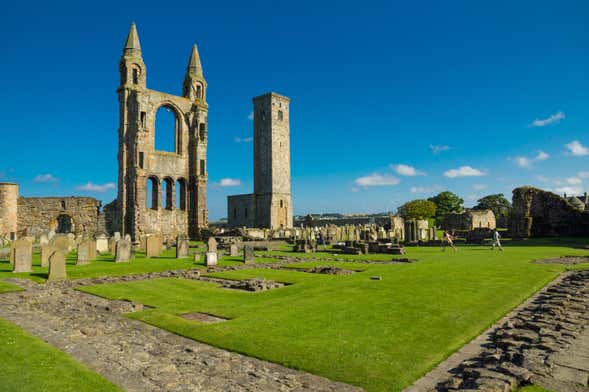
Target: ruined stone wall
241, 210
8, 211
470, 220
40, 214
537, 213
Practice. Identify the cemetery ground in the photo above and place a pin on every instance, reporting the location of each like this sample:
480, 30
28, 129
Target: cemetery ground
376, 334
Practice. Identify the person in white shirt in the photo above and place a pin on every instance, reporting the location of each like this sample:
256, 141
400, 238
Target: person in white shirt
496, 240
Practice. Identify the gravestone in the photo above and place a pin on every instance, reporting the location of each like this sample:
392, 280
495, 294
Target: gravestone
45, 253
233, 250
117, 236
43, 239
248, 254
21, 256
197, 257
128, 237
153, 245
181, 247
212, 244
210, 258
122, 251
51, 234
60, 242
71, 241
102, 243
86, 252
112, 245
57, 266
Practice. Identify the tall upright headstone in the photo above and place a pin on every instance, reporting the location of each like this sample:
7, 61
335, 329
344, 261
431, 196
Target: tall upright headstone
57, 270
212, 244
153, 245
182, 247
122, 251
248, 254
21, 256
86, 252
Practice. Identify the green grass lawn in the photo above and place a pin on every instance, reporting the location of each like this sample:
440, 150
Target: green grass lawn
105, 266
29, 364
380, 335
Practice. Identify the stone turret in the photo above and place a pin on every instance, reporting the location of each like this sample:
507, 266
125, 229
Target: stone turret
131, 66
8, 210
194, 86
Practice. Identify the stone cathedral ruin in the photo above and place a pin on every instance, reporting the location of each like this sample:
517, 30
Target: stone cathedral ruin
164, 192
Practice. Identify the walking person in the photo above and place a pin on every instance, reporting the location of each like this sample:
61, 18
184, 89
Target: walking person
496, 240
448, 241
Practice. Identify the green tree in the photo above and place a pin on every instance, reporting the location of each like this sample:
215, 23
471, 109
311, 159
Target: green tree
496, 203
417, 209
446, 202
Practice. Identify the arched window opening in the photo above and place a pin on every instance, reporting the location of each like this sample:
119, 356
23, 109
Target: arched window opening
202, 167
198, 91
167, 189
181, 194
281, 203
151, 193
135, 76
280, 115
202, 131
166, 129
63, 204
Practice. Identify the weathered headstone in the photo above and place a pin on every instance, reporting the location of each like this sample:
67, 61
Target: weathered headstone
197, 257
57, 266
117, 236
51, 234
233, 250
43, 239
71, 241
60, 242
212, 244
102, 243
45, 253
122, 251
153, 245
21, 256
181, 247
210, 258
128, 237
86, 252
248, 254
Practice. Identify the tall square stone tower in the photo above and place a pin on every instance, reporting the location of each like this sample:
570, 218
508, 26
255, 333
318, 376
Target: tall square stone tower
270, 206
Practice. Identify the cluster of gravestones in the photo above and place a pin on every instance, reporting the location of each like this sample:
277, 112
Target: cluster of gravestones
409, 231
212, 254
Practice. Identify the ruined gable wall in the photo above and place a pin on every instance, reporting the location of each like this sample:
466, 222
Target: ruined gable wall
39, 214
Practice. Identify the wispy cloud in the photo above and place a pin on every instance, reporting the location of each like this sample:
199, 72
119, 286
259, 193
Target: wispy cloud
376, 180
479, 187
226, 182
45, 178
243, 139
406, 170
577, 149
522, 161
425, 189
553, 119
436, 148
250, 116
91, 187
583, 174
569, 190
464, 171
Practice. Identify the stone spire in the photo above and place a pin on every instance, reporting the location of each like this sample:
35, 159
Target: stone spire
194, 65
194, 86
132, 45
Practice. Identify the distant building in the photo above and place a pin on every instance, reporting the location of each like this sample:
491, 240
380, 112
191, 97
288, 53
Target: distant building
470, 220
270, 206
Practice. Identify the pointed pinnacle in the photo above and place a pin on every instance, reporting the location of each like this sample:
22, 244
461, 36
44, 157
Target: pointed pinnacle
132, 43
194, 62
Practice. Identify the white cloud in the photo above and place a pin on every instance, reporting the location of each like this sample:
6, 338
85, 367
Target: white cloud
479, 187
425, 189
542, 156
573, 181
406, 170
44, 178
250, 116
577, 149
464, 171
569, 190
553, 119
377, 180
91, 187
523, 161
436, 149
583, 174
229, 182
355, 189
243, 139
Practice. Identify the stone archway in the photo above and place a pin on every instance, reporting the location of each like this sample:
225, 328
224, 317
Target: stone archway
65, 224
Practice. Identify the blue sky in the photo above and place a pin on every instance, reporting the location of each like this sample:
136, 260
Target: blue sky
473, 97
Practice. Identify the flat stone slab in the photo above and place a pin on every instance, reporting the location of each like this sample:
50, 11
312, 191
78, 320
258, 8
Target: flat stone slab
203, 317
568, 260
